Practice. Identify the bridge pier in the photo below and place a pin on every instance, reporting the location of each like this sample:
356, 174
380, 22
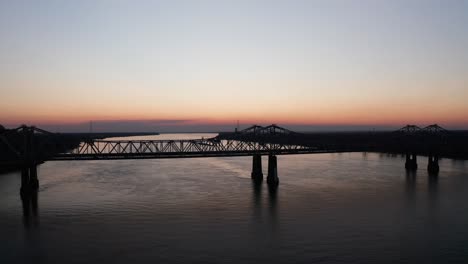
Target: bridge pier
257, 174
29, 181
24, 180
272, 178
433, 164
411, 162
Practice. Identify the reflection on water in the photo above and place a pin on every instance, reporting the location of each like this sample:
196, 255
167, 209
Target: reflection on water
29, 202
433, 188
411, 183
348, 208
257, 191
273, 206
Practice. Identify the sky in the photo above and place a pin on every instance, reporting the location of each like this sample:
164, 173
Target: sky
203, 65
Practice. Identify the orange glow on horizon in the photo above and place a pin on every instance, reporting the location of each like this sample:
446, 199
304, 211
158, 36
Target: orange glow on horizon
336, 114
330, 119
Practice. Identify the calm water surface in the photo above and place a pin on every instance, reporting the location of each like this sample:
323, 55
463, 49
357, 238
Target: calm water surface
329, 208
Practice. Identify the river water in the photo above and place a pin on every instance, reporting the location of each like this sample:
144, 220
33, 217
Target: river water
328, 208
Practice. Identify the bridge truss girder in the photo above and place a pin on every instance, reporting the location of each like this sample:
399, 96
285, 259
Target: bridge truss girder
140, 149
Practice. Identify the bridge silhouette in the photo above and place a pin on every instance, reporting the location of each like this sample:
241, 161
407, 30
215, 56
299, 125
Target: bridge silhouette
31, 146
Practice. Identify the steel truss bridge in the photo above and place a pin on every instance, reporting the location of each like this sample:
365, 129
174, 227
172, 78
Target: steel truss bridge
156, 149
30, 146
248, 142
32, 143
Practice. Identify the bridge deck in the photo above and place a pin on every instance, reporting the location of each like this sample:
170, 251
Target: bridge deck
113, 156
159, 149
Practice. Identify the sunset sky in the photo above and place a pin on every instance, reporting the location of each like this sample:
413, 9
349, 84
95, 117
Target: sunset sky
205, 64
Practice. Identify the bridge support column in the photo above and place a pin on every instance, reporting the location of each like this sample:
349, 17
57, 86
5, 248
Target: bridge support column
433, 164
257, 174
29, 181
25, 188
33, 181
411, 162
272, 178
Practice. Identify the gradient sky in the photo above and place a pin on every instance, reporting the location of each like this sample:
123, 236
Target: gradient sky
318, 63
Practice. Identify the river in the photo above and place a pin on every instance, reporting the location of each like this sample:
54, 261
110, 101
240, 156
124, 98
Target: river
328, 208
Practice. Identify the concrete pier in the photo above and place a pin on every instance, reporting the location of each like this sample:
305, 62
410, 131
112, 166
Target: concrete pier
433, 164
33, 181
25, 188
29, 181
272, 178
257, 174
411, 162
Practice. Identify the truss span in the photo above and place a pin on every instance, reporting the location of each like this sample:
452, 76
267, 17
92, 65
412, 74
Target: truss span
141, 149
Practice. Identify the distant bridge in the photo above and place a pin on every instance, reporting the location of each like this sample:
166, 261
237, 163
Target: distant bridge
428, 130
32, 145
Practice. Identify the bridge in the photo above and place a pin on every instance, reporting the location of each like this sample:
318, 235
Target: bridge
31, 146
